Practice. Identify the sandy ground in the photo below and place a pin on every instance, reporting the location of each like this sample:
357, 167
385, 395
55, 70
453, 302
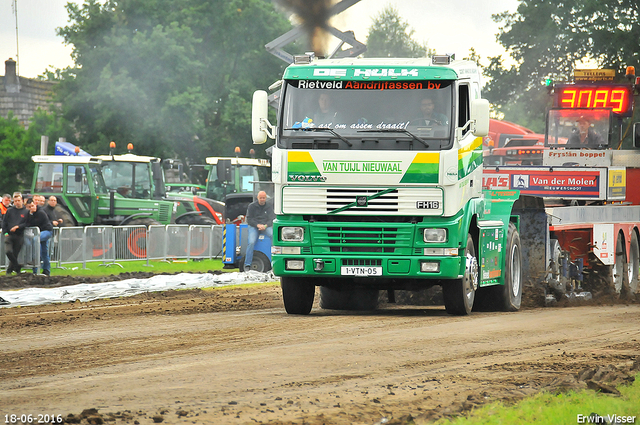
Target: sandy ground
233, 356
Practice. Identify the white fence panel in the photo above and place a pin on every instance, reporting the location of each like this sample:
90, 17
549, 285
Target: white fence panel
99, 244
178, 235
130, 243
157, 242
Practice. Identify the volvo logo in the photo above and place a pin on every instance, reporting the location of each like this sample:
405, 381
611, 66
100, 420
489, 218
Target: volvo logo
361, 201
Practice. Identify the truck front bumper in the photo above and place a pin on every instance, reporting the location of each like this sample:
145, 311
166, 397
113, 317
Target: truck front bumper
397, 267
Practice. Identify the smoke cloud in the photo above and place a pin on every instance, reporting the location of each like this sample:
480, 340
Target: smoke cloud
314, 17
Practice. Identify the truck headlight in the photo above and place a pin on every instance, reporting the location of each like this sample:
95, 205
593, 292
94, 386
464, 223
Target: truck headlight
292, 234
435, 235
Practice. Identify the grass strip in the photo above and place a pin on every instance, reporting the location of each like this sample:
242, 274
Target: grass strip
563, 408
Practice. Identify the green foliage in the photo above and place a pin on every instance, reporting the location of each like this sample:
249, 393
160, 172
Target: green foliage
563, 408
19, 145
548, 39
173, 77
390, 36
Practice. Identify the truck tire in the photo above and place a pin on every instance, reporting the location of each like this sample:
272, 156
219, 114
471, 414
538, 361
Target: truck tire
633, 265
459, 294
260, 262
507, 297
616, 274
356, 299
297, 294
510, 294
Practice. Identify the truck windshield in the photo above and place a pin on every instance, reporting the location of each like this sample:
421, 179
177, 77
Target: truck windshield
129, 179
366, 115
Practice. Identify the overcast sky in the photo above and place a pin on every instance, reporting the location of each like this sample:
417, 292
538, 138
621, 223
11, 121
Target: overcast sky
452, 26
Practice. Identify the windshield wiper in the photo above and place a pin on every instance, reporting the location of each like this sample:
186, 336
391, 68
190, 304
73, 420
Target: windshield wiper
322, 129
392, 130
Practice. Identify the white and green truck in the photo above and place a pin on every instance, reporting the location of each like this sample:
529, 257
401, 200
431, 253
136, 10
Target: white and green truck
376, 191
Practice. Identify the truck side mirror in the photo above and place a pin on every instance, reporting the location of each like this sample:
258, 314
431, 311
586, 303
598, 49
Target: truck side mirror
223, 169
480, 115
636, 135
260, 125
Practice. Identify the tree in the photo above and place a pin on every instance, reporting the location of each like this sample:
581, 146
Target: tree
547, 39
173, 77
19, 145
391, 37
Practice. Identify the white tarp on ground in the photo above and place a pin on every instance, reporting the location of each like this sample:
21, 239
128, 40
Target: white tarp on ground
125, 288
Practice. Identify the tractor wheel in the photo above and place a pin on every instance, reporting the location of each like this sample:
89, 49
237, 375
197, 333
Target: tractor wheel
459, 294
197, 220
297, 294
260, 262
65, 215
633, 265
137, 238
359, 299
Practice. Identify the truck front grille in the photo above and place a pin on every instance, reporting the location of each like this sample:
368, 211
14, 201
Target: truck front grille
358, 238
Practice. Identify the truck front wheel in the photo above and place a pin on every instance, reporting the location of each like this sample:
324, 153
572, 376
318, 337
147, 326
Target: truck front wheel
460, 294
510, 295
297, 294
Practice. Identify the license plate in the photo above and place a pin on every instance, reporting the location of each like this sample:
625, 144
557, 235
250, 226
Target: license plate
360, 271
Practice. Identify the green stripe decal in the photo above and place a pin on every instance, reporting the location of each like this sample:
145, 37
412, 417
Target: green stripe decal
423, 169
470, 158
301, 163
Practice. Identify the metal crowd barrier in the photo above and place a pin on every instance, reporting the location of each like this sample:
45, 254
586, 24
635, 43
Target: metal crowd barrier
29, 255
113, 244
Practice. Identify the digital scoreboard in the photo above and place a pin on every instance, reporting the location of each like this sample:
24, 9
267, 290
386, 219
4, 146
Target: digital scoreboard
617, 97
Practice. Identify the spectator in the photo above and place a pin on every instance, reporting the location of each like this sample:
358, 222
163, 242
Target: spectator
13, 225
39, 200
50, 210
38, 218
4, 205
260, 218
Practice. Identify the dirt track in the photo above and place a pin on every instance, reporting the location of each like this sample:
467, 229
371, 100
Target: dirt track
234, 356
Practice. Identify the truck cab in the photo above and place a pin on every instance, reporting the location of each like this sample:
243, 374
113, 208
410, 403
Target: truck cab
377, 167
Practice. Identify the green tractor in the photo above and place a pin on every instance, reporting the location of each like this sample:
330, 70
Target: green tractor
84, 199
142, 177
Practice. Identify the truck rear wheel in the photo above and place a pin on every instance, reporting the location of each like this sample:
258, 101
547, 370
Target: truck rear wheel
460, 294
359, 299
633, 265
297, 294
617, 272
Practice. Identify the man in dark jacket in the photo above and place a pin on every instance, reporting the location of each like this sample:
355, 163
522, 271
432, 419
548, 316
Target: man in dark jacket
50, 209
38, 218
260, 218
13, 225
